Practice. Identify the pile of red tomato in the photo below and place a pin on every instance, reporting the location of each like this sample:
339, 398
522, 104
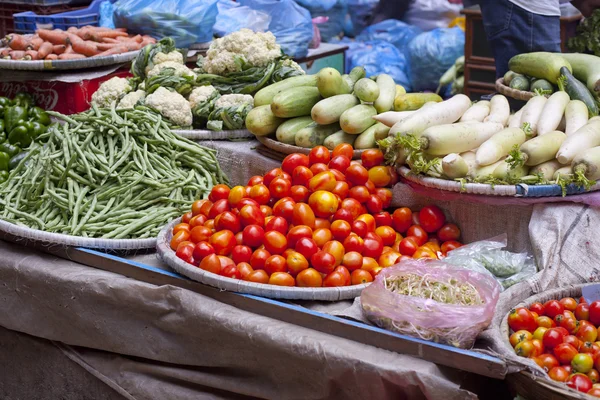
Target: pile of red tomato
561, 336
319, 220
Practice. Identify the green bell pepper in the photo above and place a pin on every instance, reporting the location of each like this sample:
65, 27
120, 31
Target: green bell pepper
36, 129
21, 135
10, 149
4, 104
3, 176
15, 160
1, 127
13, 115
38, 114
2, 137
24, 100
4, 160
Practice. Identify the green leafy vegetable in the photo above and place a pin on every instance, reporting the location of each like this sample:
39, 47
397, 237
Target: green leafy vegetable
144, 60
168, 78
588, 35
227, 118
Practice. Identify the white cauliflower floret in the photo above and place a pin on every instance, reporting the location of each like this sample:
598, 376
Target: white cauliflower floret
200, 94
171, 105
110, 91
291, 63
173, 56
229, 100
258, 49
131, 99
180, 69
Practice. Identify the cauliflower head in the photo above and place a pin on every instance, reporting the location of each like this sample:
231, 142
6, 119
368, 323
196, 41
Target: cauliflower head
256, 48
293, 64
180, 69
173, 56
111, 91
131, 99
230, 100
200, 94
171, 105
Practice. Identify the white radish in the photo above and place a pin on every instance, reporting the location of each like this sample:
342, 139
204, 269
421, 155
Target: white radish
389, 118
576, 115
445, 112
594, 119
477, 112
542, 148
587, 163
515, 120
552, 113
565, 172
455, 138
483, 172
469, 157
584, 138
499, 145
505, 172
499, 110
531, 113
562, 126
454, 166
546, 169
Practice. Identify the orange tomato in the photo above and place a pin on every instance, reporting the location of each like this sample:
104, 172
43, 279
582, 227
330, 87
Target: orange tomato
369, 220
424, 252
336, 249
301, 176
211, 263
322, 181
309, 277
198, 220
223, 242
322, 223
322, 236
185, 218
181, 227
387, 234
181, 236
282, 279
245, 269
323, 203
296, 263
388, 259
352, 260
360, 276
380, 176
371, 265
343, 149
197, 206
275, 242
275, 263
298, 232
236, 194
303, 214
257, 276
200, 234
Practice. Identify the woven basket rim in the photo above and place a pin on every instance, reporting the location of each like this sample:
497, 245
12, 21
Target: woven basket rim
289, 149
26, 233
513, 93
53, 65
235, 285
205, 134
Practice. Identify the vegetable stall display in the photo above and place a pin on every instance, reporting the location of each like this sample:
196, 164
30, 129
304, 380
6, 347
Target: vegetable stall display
72, 44
319, 220
107, 173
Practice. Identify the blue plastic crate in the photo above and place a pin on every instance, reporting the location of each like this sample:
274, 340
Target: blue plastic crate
29, 22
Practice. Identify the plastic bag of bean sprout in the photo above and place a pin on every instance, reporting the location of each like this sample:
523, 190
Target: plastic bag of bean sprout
432, 300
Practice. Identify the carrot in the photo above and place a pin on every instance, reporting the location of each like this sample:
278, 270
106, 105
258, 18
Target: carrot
138, 38
35, 43
45, 49
109, 40
72, 29
31, 55
69, 50
133, 46
51, 57
17, 54
111, 34
86, 47
5, 52
107, 46
73, 38
148, 39
17, 42
55, 37
59, 49
114, 50
70, 56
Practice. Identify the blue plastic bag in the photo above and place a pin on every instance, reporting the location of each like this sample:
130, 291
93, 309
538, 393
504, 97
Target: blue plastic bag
317, 5
393, 31
290, 23
432, 53
335, 11
234, 18
106, 15
360, 13
186, 21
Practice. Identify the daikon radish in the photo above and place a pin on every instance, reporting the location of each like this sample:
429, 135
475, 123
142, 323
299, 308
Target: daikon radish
576, 115
446, 112
499, 145
564, 172
531, 114
546, 169
390, 118
477, 112
457, 138
454, 166
584, 138
538, 150
552, 113
483, 172
505, 172
594, 119
515, 120
499, 110
562, 125
586, 166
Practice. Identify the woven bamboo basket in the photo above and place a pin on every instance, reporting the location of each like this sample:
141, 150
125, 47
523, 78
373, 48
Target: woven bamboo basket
513, 93
289, 149
204, 134
236, 285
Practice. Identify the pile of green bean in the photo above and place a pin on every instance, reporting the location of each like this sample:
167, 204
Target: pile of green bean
108, 173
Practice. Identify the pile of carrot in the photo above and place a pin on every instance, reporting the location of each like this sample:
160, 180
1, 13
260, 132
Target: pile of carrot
74, 43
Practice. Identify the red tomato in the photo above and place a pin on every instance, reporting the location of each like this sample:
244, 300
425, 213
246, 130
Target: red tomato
383, 219
223, 242
371, 158
374, 204
345, 273
357, 174
568, 303
260, 194
185, 251
303, 214
298, 232
536, 307
380, 176
228, 221
300, 193
544, 321
301, 176
201, 250
259, 258
322, 236
587, 333
275, 263
418, 233
594, 311
322, 181
323, 262
373, 246
353, 206
225, 262
198, 220
323, 203
431, 218
336, 249
280, 188
370, 186
570, 339
582, 311
521, 319
360, 193
245, 269
354, 243
241, 254
546, 361
449, 246
270, 175
178, 238
589, 348
343, 149
448, 232
275, 242
218, 207
553, 308
284, 208
352, 260
307, 247
408, 246
318, 168
343, 215
387, 235
341, 189
200, 234
185, 218
340, 163
255, 180
594, 391
339, 176
278, 224
558, 374
360, 276
334, 279
309, 278
219, 192
211, 263
385, 195
402, 219
564, 353
580, 382
319, 154
293, 161
253, 235
360, 228
340, 229
247, 202
552, 337
258, 276
251, 215
231, 271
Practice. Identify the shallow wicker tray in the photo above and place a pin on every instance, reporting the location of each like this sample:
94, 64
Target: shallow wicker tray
520, 190
76, 241
235, 285
289, 149
513, 93
204, 134
53, 65
525, 383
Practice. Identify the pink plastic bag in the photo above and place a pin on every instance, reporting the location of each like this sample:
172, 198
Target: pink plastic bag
425, 318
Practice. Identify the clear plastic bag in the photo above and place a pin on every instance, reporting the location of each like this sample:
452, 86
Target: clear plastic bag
487, 256
432, 53
426, 318
431, 14
235, 18
290, 23
393, 31
186, 21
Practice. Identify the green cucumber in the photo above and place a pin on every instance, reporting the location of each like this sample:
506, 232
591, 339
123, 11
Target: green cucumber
265, 95
315, 134
387, 93
508, 76
577, 90
339, 137
286, 132
260, 121
295, 102
358, 118
539, 65
542, 85
366, 90
368, 139
519, 83
328, 111
330, 83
